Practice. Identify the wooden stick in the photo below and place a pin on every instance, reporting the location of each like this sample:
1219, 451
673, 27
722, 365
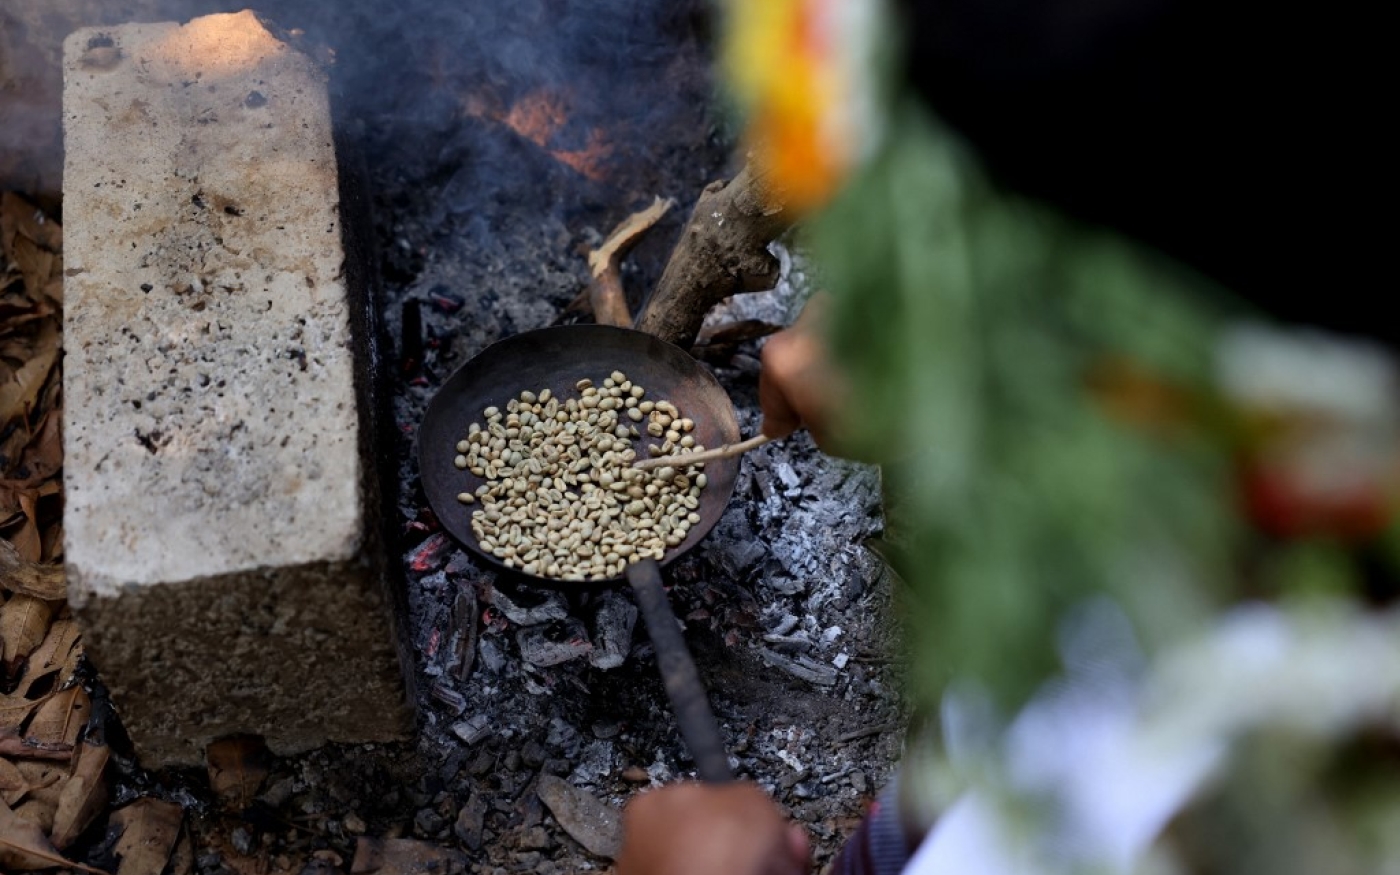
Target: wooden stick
608, 300
728, 451
605, 292
626, 233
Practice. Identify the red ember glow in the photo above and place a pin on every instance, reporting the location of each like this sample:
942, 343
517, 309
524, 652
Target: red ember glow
539, 117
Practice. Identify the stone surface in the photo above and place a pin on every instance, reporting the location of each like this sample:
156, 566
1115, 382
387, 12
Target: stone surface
220, 547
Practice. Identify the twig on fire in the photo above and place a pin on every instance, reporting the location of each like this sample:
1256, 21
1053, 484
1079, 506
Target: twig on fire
728, 451
605, 292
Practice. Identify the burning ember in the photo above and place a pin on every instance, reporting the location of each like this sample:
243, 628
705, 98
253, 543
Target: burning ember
542, 117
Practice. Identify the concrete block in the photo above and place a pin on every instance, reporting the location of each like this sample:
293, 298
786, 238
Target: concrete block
221, 539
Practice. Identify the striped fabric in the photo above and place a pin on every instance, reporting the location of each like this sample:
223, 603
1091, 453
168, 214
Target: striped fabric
879, 846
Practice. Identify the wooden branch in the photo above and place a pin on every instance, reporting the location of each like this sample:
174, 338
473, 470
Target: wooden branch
728, 451
605, 292
627, 233
723, 250
608, 299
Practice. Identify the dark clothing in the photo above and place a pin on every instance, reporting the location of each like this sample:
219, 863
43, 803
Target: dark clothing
880, 845
1244, 139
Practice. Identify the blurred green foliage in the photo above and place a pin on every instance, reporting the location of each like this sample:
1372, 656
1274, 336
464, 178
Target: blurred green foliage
1293, 805
969, 318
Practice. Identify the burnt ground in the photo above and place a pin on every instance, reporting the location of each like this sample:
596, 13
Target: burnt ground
497, 147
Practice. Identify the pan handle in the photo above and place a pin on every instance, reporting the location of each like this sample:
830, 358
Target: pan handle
683, 686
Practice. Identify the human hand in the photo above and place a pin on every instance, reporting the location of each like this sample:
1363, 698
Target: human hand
703, 829
799, 385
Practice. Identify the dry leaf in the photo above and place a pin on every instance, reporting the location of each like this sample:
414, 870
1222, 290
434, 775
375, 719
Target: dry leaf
13, 745
25, 538
23, 847
58, 652
13, 443
52, 552
43, 777
13, 785
45, 582
19, 394
53, 289
42, 456
20, 332
14, 710
182, 859
32, 777
19, 216
149, 830
405, 857
24, 621
41, 801
237, 766
84, 795
35, 263
56, 724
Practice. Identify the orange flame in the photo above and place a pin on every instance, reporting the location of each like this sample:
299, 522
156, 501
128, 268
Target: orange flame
539, 117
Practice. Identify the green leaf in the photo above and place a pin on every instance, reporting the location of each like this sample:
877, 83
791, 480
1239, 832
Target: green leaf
968, 319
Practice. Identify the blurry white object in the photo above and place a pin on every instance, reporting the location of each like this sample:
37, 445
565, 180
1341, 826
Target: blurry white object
1108, 761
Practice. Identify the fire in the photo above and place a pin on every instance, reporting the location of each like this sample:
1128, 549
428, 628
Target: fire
589, 160
540, 116
537, 117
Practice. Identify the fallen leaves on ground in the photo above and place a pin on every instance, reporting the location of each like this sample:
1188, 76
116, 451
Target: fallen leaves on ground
30, 578
25, 848
52, 780
31, 326
238, 765
84, 795
24, 622
149, 831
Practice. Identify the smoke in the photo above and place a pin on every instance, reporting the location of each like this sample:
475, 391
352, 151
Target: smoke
611, 72
412, 76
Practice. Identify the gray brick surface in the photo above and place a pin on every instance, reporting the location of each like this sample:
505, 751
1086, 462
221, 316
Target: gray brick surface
220, 537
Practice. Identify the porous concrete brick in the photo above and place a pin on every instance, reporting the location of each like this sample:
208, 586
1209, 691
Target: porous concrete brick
220, 541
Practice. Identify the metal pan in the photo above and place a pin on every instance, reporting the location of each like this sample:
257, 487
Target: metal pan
557, 358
